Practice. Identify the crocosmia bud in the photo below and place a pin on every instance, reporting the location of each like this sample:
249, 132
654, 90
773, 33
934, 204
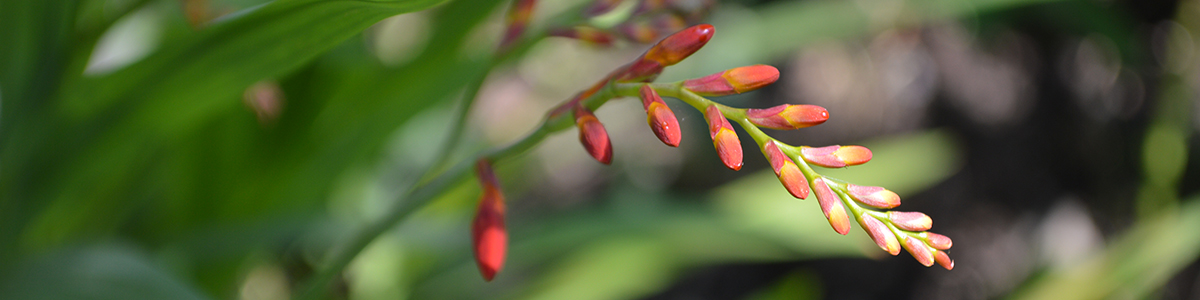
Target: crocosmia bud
938, 241
517, 19
734, 81
488, 235
881, 234
943, 259
832, 206
788, 116
910, 220
836, 156
787, 171
919, 250
873, 196
592, 135
729, 148
590, 35
680, 45
661, 118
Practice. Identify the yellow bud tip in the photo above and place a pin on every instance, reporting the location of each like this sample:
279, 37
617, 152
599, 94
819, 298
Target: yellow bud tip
919, 250
873, 196
832, 206
910, 220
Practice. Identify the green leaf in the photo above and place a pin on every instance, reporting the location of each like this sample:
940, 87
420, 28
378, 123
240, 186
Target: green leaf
95, 273
183, 82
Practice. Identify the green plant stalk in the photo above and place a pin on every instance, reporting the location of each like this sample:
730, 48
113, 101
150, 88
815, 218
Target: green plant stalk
422, 193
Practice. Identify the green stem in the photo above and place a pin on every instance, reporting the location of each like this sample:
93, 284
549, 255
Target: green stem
421, 193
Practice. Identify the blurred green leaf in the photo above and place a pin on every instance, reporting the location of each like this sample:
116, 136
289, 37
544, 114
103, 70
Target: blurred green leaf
95, 273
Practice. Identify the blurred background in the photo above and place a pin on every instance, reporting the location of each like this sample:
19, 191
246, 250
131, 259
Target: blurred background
221, 149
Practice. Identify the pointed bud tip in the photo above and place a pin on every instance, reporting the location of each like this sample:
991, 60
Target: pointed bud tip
593, 136
853, 155
674, 48
883, 237
943, 260
910, 220
873, 196
939, 241
733, 81
919, 250
832, 206
788, 116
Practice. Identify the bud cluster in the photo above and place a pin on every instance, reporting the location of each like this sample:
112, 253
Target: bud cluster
838, 201
648, 21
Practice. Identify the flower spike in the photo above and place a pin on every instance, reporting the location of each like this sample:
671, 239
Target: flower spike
880, 233
729, 148
733, 81
910, 220
592, 135
662, 120
836, 156
832, 206
788, 116
787, 171
667, 52
488, 235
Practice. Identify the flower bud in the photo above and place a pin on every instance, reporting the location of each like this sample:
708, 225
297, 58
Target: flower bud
729, 148
600, 7
680, 45
836, 156
661, 118
488, 236
873, 196
919, 250
910, 220
517, 19
590, 35
880, 233
788, 116
943, 259
832, 206
938, 241
592, 135
789, 175
733, 81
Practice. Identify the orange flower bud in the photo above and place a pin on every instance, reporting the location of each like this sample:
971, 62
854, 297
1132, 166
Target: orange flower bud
881, 234
733, 81
938, 241
600, 7
729, 148
919, 250
873, 196
787, 116
910, 220
661, 118
590, 35
680, 45
518, 18
836, 156
832, 206
943, 259
488, 235
592, 135
789, 174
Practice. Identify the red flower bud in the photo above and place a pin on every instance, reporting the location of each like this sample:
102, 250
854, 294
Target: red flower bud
590, 35
938, 241
832, 206
881, 234
787, 116
943, 259
919, 250
661, 118
518, 18
600, 7
873, 196
680, 45
488, 235
592, 135
789, 175
729, 148
910, 220
733, 81
836, 156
